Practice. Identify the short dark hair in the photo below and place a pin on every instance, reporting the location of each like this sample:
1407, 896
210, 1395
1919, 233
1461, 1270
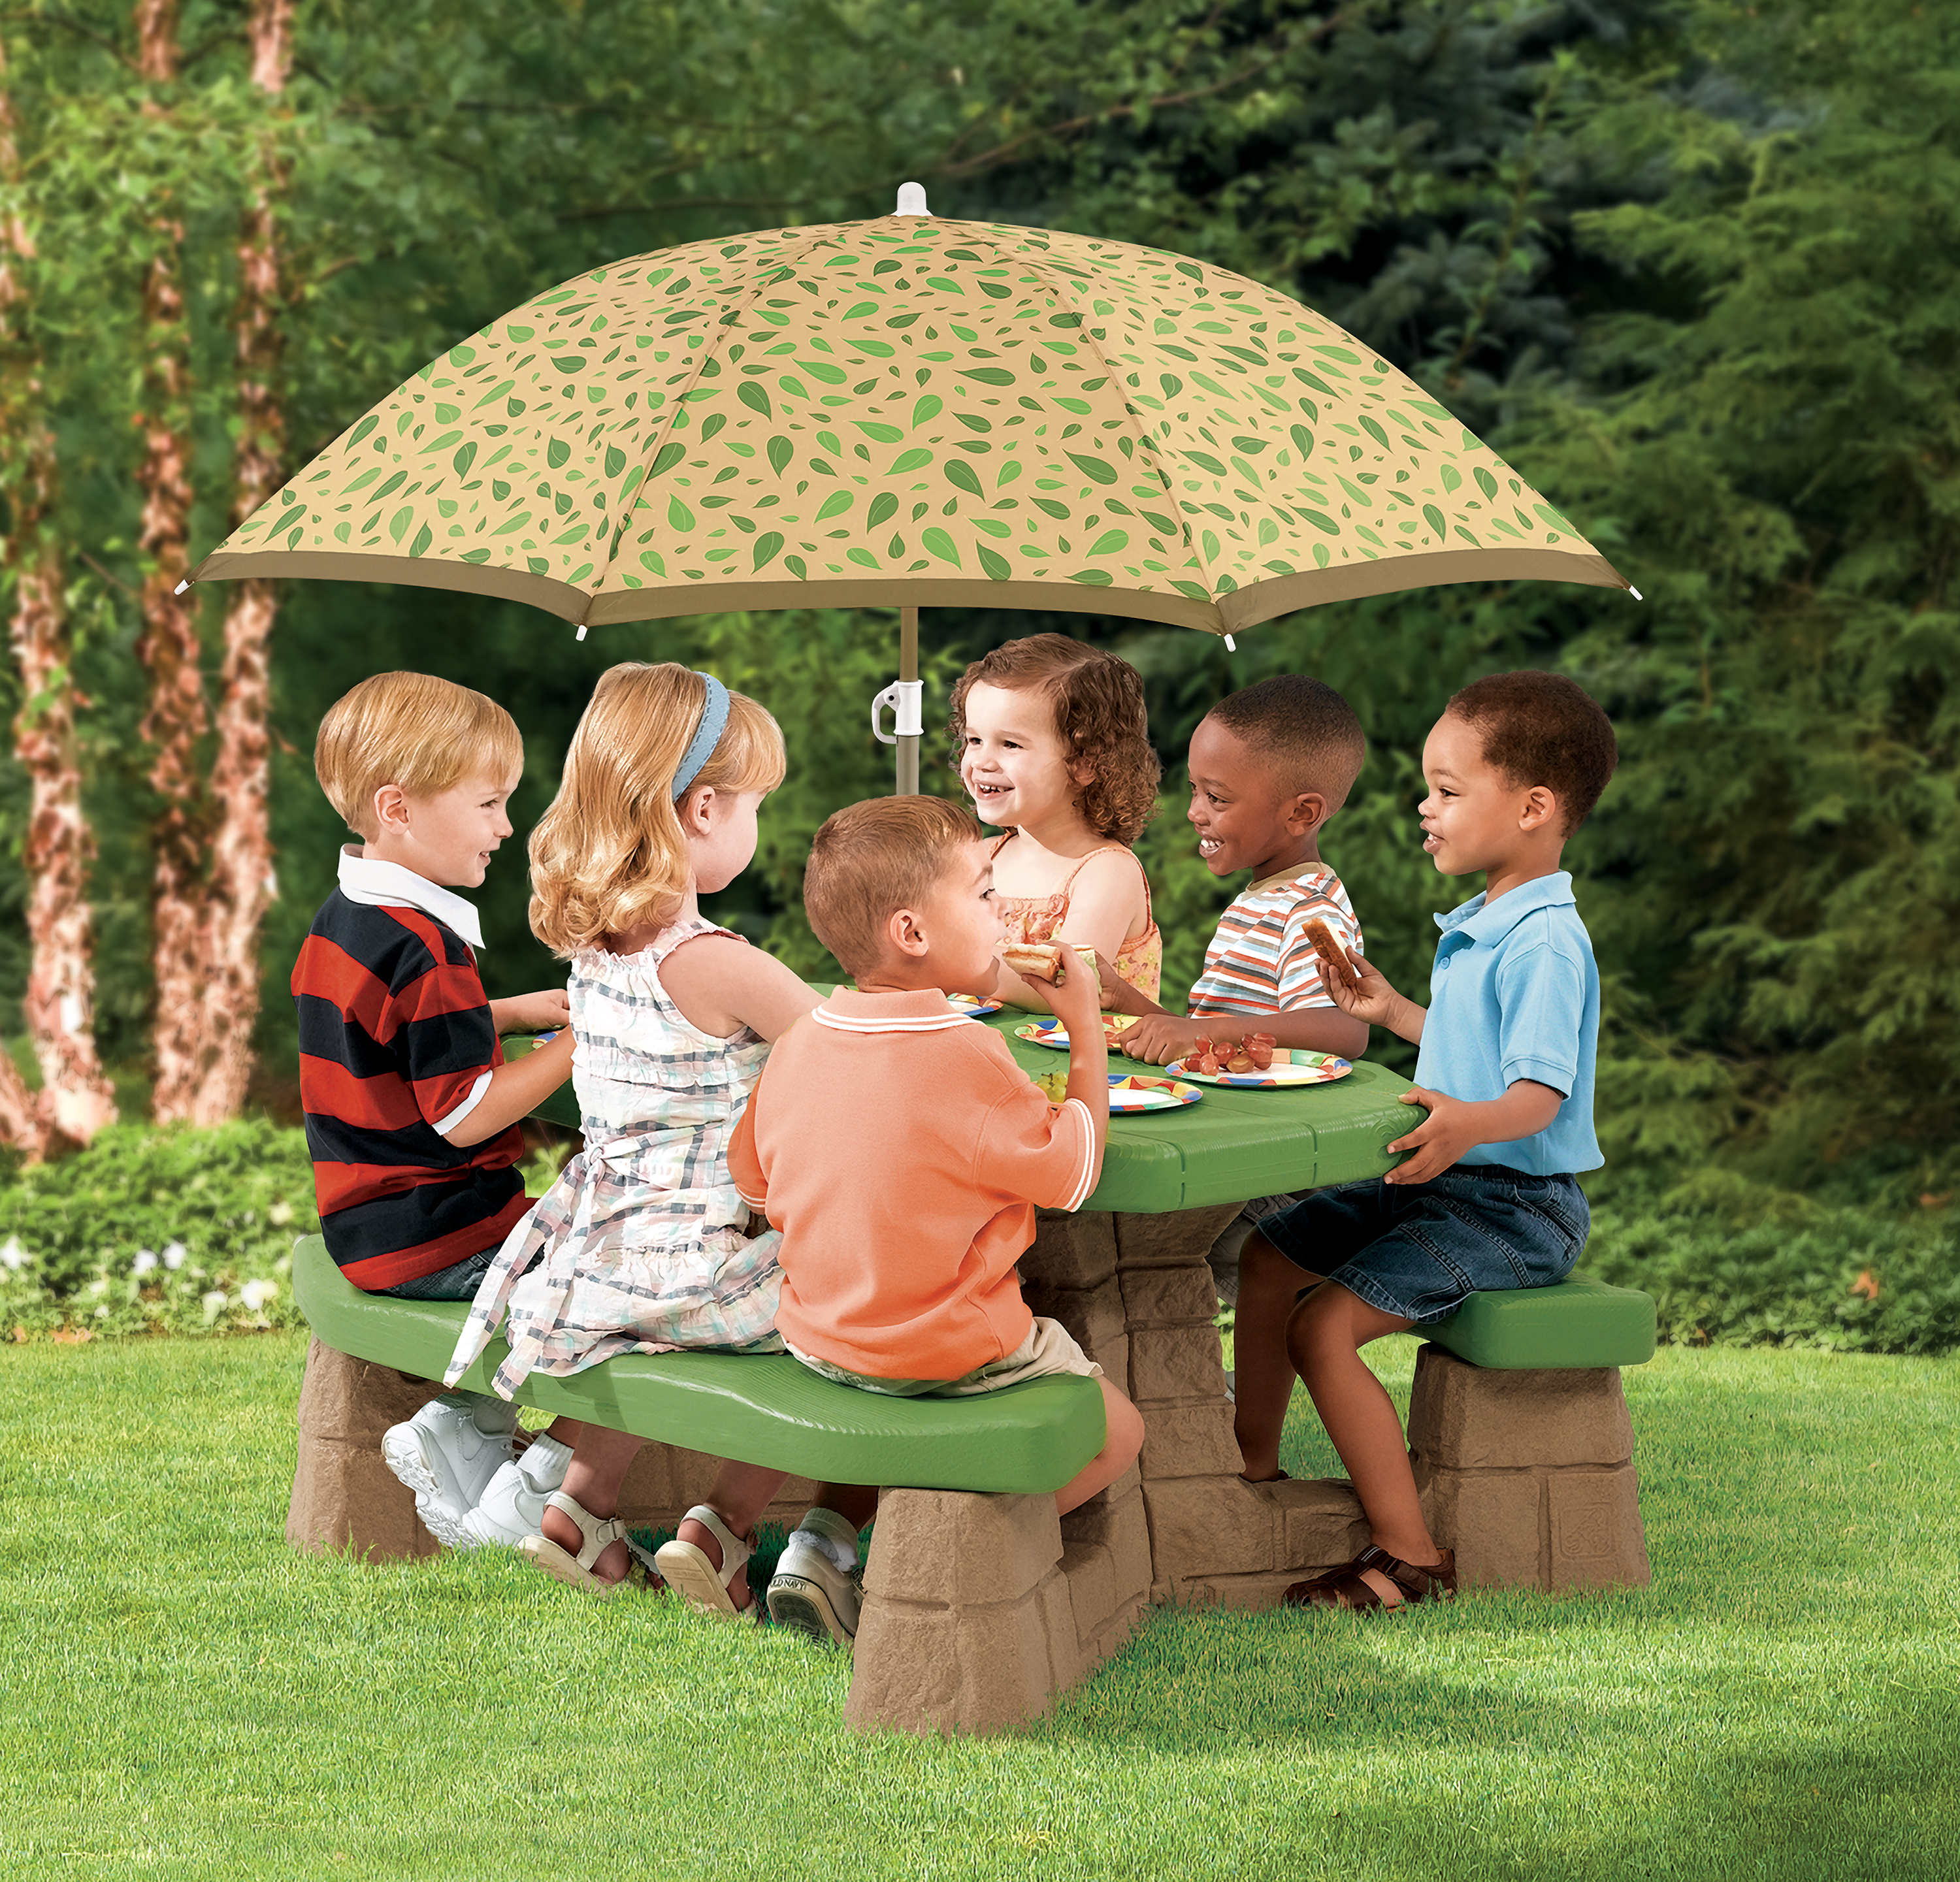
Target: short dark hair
1543, 729
872, 858
1304, 729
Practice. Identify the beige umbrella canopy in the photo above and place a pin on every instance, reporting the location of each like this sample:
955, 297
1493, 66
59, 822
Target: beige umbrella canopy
911, 411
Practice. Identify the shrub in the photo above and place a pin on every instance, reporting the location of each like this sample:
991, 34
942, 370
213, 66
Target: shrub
175, 1230
1843, 1280
165, 1231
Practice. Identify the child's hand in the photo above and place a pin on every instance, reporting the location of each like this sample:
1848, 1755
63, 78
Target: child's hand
1076, 1000
1117, 995
1449, 1130
1159, 1038
548, 1011
1361, 989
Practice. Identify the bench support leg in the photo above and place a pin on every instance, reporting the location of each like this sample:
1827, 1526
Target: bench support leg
978, 1612
344, 1496
1528, 1475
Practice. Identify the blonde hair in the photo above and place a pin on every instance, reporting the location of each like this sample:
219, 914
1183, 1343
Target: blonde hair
608, 853
872, 858
422, 734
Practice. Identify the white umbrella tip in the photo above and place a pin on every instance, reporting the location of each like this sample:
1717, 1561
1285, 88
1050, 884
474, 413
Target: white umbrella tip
912, 200
1635, 593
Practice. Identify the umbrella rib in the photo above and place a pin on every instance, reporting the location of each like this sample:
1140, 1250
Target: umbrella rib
1142, 435
812, 239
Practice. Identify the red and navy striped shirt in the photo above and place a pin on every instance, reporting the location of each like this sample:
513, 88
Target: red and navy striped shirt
396, 1038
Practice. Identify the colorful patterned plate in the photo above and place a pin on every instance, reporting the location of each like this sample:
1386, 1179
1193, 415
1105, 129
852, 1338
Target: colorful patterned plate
1129, 1092
972, 1005
1052, 1032
1307, 1068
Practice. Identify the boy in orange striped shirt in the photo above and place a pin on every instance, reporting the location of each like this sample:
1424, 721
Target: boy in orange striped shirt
1269, 766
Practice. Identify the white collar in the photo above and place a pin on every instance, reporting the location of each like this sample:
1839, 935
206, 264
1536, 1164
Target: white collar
923, 1009
367, 879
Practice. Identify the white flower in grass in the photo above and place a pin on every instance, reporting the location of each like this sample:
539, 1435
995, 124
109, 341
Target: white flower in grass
13, 1257
146, 1260
214, 1300
255, 1294
102, 1313
174, 1255
99, 1285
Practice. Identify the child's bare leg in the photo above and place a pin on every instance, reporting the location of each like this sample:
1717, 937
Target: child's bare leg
592, 1480
1324, 1338
740, 1494
1268, 1285
856, 1503
1123, 1438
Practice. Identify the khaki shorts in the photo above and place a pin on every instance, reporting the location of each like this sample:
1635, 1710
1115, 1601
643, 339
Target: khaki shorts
1047, 1350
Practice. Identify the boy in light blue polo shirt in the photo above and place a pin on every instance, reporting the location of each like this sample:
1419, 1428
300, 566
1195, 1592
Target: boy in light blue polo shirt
1486, 1198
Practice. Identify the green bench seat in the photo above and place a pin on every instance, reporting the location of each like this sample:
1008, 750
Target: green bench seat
766, 1409
1578, 1322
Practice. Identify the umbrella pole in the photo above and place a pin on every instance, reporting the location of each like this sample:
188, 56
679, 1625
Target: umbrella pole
908, 673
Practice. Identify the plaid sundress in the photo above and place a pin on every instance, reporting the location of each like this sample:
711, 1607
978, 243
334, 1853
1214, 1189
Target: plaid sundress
642, 1235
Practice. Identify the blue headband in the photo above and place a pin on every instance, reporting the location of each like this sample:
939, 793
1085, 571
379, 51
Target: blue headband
707, 736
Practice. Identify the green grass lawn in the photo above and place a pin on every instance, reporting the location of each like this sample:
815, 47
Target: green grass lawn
185, 1695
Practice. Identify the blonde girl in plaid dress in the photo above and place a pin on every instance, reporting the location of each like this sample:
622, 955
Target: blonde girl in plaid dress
642, 1244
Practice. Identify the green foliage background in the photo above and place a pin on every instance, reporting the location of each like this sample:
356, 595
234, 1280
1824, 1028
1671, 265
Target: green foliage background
1691, 265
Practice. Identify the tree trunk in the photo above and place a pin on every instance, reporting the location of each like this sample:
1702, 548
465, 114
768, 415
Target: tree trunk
176, 718
76, 1099
241, 881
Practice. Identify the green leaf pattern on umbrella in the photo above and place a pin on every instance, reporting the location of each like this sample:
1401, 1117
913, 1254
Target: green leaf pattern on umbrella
908, 401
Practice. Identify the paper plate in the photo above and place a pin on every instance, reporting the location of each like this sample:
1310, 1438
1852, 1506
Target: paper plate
1307, 1068
1128, 1092
1132, 1092
972, 1005
1052, 1032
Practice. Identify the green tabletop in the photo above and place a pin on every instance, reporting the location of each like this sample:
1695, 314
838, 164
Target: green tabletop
1230, 1146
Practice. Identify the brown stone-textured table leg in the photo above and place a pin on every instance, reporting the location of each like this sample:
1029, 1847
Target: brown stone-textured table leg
1137, 1292
344, 1496
1528, 1475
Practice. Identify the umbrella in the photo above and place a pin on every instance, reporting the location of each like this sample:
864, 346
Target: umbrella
906, 411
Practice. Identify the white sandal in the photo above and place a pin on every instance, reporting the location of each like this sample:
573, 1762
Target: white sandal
576, 1570
692, 1572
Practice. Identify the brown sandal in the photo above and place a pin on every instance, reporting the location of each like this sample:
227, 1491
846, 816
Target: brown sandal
1348, 1586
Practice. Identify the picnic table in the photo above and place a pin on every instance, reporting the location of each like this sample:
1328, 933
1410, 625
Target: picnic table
981, 1604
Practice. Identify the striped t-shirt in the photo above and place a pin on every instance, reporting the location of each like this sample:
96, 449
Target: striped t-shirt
1260, 961
396, 1048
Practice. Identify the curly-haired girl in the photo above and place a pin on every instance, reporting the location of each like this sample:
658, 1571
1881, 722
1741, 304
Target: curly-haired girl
1054, 747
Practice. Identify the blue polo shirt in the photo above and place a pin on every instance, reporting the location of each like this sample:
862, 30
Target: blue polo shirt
1515, 994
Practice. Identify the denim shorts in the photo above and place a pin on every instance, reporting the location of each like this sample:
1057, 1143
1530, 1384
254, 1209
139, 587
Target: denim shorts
1418, 1250
459, 1281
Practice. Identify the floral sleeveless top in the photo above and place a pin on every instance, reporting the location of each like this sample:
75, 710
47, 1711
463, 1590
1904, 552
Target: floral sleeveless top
1038, 918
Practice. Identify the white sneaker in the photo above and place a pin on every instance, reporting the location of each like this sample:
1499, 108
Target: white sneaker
809, 1591
512, 1506
447, 1458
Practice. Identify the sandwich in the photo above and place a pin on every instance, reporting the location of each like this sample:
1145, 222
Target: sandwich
1320, 937
1044, 960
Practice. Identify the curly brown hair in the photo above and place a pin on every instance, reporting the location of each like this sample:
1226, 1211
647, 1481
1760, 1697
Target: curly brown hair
1099, 713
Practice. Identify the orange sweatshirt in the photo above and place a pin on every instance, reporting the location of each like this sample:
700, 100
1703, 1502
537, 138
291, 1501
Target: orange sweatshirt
902, 1153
